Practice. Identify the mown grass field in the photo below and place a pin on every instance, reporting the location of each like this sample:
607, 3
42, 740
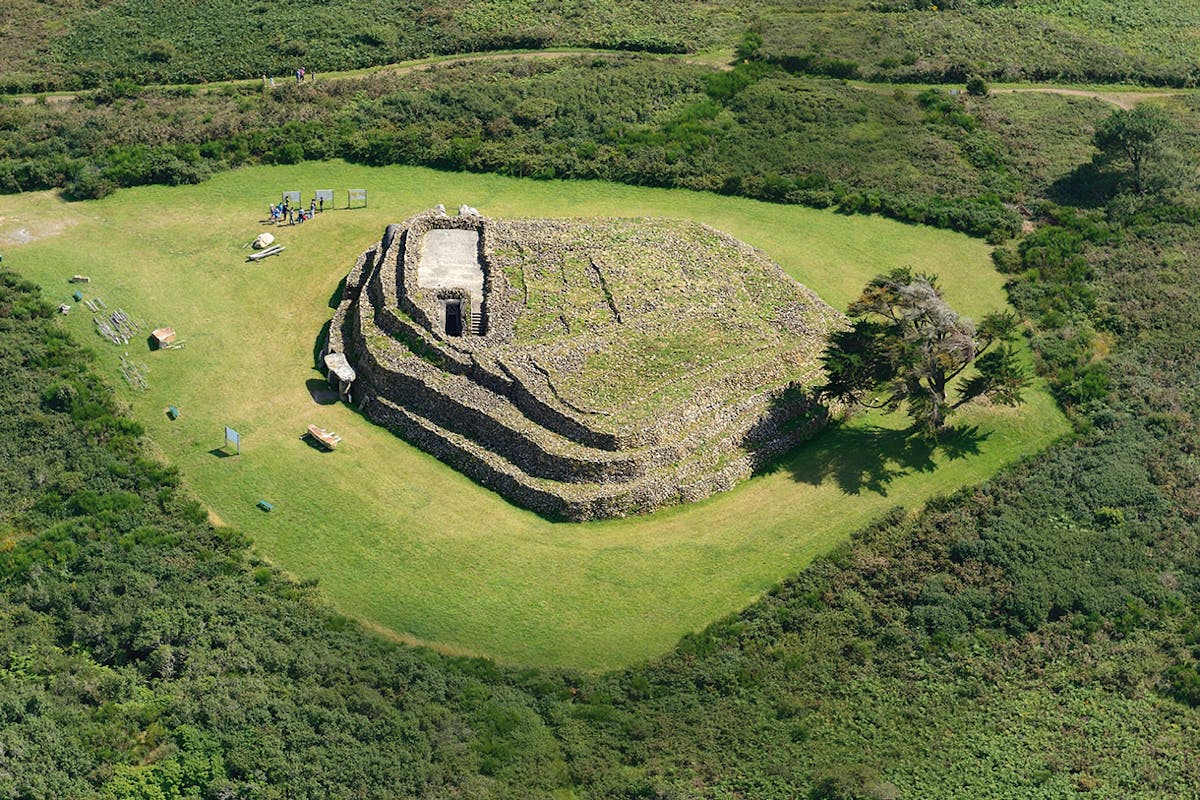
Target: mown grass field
407, 544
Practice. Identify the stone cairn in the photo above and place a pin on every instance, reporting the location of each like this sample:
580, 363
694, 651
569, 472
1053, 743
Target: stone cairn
487, 403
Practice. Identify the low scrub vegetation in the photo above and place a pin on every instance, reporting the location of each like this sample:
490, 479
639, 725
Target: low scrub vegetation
754, 132
143, 646
74, 45
914, 41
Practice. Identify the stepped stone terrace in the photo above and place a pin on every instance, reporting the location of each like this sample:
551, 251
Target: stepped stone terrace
582, 368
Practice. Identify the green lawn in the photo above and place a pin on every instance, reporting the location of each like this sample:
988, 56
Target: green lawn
410, 546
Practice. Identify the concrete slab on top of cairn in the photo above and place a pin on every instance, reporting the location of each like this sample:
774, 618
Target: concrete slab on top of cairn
583, 368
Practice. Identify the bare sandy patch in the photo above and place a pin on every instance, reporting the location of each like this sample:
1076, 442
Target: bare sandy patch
19, 230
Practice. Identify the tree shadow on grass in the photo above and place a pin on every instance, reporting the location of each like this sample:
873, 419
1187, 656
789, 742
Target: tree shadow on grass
1086, 186
869, 458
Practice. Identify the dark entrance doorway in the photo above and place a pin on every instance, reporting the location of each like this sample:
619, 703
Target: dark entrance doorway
454, 320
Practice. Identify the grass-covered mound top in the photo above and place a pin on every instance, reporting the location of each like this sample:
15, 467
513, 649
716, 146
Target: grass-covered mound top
584, 368
629, 318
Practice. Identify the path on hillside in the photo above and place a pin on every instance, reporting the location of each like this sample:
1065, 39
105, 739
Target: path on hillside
398, 68
1120, 99
1117, 96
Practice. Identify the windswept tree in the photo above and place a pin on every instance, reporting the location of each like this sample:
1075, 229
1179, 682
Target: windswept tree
1140, 144
906, 345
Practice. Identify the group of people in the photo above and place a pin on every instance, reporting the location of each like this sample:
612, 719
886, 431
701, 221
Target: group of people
283, 211
300, 74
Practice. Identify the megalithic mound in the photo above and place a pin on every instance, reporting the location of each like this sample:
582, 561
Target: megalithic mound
583, 368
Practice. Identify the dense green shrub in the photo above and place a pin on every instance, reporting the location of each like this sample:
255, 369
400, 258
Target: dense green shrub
751, 131
86, 182
71, 45
747, 49
920, 41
